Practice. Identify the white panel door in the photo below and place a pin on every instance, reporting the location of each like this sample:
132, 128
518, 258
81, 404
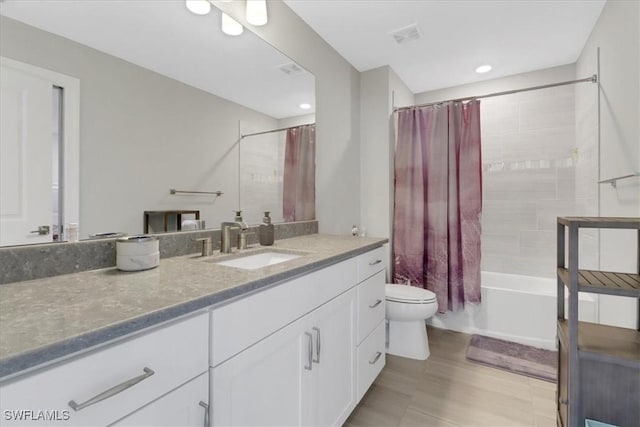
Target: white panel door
25, 156
180, 408
265, 384
333, 393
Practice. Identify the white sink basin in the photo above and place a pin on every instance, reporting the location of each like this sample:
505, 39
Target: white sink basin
263, 259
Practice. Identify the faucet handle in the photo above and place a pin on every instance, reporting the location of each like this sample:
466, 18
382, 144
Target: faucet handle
207, 246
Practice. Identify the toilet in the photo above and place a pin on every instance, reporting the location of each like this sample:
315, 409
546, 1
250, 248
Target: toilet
407, 308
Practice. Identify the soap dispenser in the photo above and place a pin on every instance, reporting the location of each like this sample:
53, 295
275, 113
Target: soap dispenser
266, 232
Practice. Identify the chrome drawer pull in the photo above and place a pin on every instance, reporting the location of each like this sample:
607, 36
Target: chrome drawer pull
377, 303
112, 391
206, 413
378, 261
310, 349
375, 359
317, 345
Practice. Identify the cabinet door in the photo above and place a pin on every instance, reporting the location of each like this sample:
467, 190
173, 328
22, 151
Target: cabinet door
180, 408
264, 384
334, 335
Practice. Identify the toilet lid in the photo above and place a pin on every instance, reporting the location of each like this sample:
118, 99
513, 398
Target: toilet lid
409, 294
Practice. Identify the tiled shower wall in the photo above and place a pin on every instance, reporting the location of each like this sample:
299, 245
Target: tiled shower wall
533, 171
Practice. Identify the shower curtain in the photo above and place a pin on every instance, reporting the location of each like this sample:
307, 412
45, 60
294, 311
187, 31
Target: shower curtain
438, 202
299, 181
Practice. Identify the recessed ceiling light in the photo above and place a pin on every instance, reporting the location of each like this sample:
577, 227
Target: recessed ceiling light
199, 7
483, 69
305, 106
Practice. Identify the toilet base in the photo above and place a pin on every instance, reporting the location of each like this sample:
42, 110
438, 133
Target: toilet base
408, 339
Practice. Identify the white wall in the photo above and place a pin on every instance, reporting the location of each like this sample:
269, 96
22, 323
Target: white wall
617, 35
141, 134
375, 152
380, 90
337, 112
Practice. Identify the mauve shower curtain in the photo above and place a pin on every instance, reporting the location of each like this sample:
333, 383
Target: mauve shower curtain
438, 201
299, 181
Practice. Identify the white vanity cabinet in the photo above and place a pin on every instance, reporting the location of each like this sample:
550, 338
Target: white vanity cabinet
303, 352
151, 364
303, 371
301, 375
371, 314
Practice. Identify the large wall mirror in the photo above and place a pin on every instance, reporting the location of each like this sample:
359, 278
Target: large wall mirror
166, 101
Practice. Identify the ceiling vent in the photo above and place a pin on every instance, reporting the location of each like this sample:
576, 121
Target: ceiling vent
292, 69
406, 34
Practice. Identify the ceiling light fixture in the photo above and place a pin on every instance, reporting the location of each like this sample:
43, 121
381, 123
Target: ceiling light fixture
230, 26
305, 106
199, 7
256, 12
483, 69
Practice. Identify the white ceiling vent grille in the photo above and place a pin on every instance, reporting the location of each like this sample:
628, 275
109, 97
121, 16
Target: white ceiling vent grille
406, 34
292, 69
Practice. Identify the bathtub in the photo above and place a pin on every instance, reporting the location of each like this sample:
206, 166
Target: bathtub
515, 308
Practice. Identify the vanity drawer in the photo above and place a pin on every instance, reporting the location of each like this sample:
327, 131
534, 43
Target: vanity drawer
371, 359
371, 262
371, 304
158, 361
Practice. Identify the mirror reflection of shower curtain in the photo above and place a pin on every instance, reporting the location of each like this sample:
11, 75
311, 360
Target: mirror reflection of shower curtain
299, 186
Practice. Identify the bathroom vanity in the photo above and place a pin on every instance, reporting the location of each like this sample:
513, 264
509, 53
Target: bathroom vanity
199, 343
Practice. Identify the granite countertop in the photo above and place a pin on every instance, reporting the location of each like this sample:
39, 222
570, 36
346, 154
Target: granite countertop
45, 319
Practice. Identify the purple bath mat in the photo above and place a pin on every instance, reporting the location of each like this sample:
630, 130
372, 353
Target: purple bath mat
513, 357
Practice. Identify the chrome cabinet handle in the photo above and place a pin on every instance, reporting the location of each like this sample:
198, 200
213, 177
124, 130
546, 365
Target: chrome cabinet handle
377, 303
310, 350
375, 359
317, 360
206, 413
378, 261
112, 391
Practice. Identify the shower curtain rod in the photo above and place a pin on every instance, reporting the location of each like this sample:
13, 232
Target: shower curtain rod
592, 79
242, 136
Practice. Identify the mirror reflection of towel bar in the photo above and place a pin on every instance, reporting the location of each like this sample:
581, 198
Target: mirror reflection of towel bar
174, 191
613, 181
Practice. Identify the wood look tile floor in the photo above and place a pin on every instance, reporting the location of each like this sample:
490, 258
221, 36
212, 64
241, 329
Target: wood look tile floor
448, 390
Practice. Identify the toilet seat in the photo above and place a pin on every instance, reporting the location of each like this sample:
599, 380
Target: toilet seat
408, 294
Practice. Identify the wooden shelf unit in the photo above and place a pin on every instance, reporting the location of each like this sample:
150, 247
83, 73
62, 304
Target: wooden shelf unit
620, 345
598, 365
605, 282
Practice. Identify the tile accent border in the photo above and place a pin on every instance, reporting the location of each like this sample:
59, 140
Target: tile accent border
20, 263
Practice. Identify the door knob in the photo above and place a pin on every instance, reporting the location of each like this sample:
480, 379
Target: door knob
42, 230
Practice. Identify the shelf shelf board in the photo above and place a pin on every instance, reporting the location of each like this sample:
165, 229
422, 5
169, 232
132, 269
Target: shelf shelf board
605, 282
604, 342
601, 222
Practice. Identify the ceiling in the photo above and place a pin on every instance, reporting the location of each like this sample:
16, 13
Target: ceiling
513, 36
457, 36
163, 36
